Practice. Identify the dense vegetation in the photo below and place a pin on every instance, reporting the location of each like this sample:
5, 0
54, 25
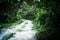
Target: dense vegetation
44, 13
48, 20
9, 12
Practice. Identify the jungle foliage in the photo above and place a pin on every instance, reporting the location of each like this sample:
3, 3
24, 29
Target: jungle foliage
44, 13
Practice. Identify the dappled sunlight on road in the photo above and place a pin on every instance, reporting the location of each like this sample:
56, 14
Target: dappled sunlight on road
21, 31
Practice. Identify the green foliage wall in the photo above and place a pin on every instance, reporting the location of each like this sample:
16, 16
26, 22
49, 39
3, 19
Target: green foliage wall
49, 21
8, 11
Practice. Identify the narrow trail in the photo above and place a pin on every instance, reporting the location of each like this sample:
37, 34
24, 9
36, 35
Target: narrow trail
21, 31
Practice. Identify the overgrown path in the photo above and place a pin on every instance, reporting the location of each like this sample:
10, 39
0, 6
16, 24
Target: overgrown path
21, 31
